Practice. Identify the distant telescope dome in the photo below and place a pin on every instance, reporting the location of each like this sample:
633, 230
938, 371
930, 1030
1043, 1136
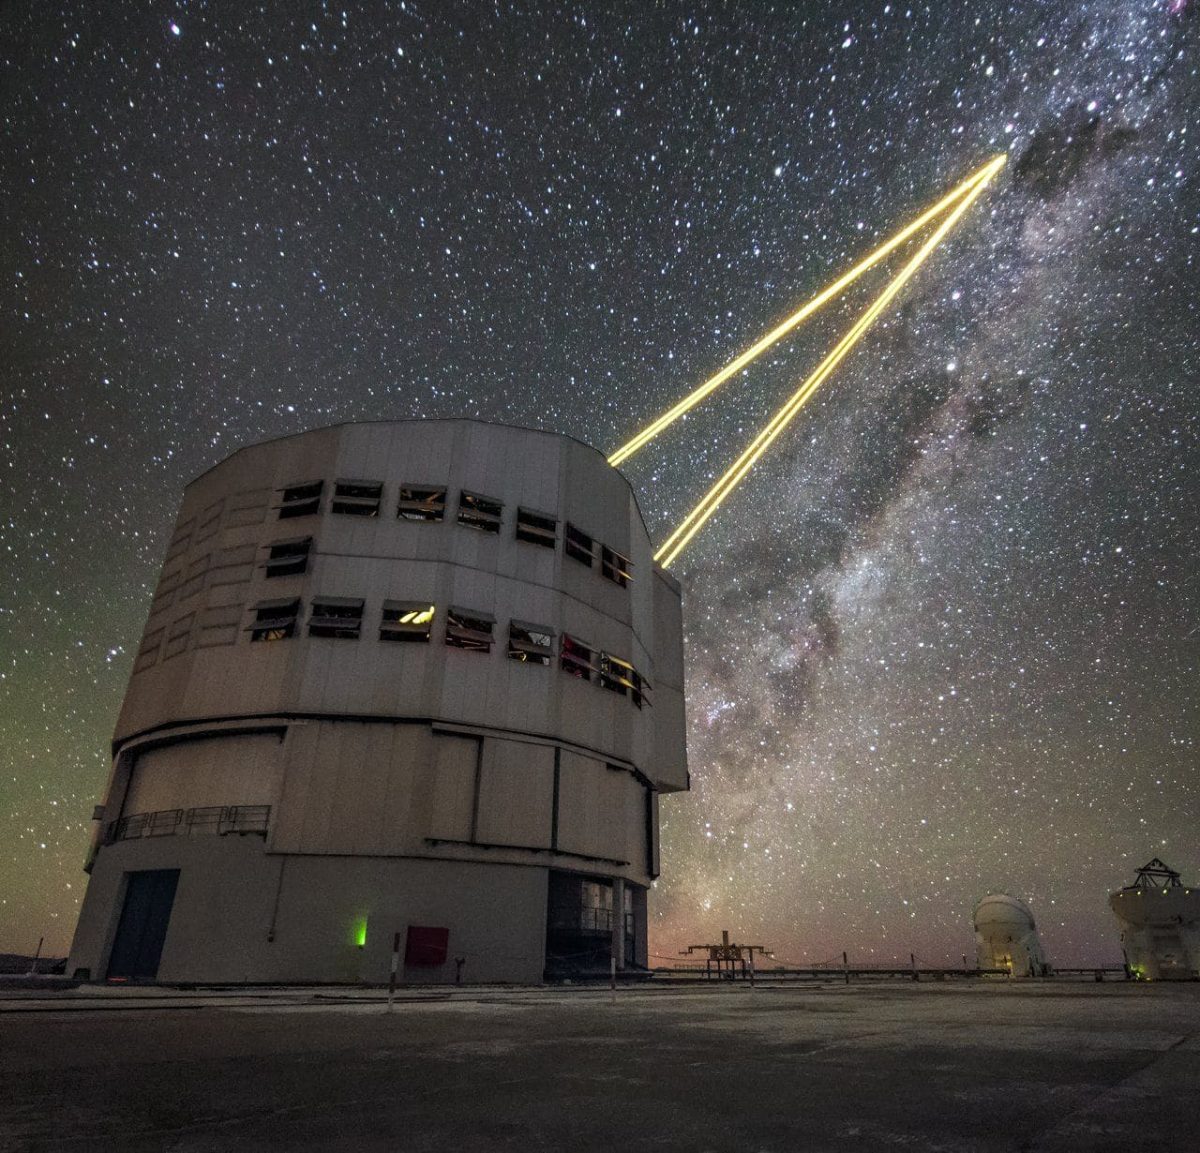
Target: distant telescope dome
1006, 936
1000, 909
1159, 919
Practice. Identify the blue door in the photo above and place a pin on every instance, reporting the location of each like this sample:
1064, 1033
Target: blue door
149, 895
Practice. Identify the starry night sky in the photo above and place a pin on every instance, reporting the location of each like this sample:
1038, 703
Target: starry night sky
943, 640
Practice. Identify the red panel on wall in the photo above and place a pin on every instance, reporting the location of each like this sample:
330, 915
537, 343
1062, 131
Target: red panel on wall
426, 946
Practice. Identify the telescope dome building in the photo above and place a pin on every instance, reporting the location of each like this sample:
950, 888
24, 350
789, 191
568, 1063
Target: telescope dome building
1159, 918
1006, 936
411, 680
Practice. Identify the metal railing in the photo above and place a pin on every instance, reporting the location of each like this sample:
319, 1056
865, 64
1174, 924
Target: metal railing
589, 920
220, 820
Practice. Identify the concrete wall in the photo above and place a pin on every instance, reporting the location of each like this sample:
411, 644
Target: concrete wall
232, 893
230, 769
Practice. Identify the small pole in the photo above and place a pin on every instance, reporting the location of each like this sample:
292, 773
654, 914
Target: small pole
964, 957
36, 957
845, 966
913, 960
395, 969
612, 978
751, 970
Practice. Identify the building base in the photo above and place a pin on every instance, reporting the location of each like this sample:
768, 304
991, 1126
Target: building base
224, 911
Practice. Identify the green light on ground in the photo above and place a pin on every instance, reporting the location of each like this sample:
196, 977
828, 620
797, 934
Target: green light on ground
359, 931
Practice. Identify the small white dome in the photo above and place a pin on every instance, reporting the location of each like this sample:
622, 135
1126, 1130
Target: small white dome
999, 909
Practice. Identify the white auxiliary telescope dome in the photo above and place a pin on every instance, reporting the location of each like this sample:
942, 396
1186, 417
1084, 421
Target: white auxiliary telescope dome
1006, 936
1160, 925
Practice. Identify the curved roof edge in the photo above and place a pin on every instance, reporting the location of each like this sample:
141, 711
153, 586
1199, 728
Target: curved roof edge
1004, 896
435, 420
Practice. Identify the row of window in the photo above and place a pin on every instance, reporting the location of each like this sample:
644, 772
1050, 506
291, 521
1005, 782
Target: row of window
412, 621
428, 503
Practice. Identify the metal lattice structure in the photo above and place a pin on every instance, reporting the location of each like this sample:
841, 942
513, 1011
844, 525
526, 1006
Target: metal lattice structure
1156, 875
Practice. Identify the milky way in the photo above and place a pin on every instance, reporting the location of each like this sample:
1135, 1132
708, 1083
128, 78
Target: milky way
942, 640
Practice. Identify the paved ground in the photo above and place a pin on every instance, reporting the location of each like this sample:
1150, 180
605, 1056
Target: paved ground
912, 1067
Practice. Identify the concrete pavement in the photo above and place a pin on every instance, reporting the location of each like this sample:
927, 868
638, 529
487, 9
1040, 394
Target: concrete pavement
943, 1067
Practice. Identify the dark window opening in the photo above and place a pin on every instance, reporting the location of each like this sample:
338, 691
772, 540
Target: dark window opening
536, 528
275, 620
576, 658
578, 545
422, 502
339, 617
580, 913
620, 676
533, 644
288, 557
596, 906
301, 499
406, 621
612, 674
356, 497
481, 512
469, 629
614, 566
639, 688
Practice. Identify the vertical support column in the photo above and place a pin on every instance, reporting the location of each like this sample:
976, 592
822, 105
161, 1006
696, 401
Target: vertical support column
555, 799
478, 786
641, 936
394, 970
618, 925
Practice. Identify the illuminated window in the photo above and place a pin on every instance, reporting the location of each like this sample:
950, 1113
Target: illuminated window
469, 629
288, 557
614, 566
356, 497
639, 688
536, 528
422, 502
275, 620
301, 499
533, 644
620, 676
339, 617
406, 621
611, 674
576, 658
578, 545
481, 512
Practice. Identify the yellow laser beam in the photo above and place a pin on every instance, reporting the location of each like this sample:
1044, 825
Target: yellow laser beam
781, 330
712, 500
